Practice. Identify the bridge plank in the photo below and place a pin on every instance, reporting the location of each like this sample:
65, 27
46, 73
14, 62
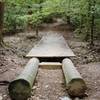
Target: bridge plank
52, 45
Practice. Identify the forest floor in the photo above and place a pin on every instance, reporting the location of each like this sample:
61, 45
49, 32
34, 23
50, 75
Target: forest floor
49, 83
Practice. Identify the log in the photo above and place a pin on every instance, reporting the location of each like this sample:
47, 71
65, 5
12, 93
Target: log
75, 84
20, 88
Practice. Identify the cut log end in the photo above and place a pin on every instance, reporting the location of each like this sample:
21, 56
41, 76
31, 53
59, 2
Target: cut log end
77, 88
19, 89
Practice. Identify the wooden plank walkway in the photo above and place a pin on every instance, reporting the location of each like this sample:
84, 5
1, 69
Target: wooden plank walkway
51, 45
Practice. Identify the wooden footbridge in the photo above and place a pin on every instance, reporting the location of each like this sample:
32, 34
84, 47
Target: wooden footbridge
51, 48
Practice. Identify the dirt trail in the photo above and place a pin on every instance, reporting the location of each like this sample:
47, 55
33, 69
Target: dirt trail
49, 85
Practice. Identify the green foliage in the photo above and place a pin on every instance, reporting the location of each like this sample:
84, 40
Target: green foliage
20, 13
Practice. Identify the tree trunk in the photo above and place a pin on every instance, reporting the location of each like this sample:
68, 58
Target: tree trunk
81, 24
92, 23
92, 31
87, 37
68, 20
1, 20
37, 31
68, 12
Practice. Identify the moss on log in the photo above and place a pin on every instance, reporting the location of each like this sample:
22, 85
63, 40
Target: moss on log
20, 88
75, 83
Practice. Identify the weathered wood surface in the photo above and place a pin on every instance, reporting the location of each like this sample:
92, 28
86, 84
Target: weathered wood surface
20, 88
50, 65
75, 83
51, 45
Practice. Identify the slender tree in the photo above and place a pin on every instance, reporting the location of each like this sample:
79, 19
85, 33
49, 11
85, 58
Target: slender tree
1, 21
92, 24
68, 12
91, 21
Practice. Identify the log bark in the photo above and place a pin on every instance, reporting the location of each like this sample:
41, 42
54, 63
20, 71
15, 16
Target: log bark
1, 20
75, 83
20, 88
